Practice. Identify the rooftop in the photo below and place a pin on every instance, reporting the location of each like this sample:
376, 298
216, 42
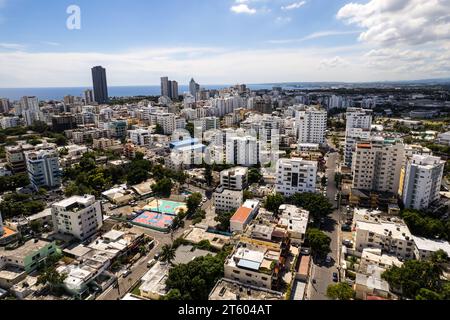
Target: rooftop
28, 248
241, 215
431, 245
226, 289
155, 279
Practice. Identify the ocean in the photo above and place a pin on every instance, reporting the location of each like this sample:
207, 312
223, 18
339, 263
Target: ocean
45, 94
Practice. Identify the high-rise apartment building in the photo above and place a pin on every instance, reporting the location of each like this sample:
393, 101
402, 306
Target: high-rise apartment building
377, 165
100, 85
359, 123
78, 216
422, 184
169, 88
4, 105
88, 97
194, 88
311, 123
296, 176
43, 168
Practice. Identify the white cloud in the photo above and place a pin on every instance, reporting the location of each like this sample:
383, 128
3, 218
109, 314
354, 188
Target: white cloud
242, 8
11, 46
399, 21
51, 43
145, 66
315, 35
283, 20
293, 6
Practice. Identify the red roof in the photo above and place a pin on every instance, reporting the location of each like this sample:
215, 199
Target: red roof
241, 215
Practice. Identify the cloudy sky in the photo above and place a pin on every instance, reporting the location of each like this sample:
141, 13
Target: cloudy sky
223, 41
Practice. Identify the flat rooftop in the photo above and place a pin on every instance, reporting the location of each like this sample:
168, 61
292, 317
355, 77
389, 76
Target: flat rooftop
226, 289
185, 254
28, 248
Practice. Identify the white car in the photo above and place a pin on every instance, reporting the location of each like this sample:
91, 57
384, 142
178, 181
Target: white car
126, 273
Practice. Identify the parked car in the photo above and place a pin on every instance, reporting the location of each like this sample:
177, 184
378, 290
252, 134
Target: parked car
328, 260
150, 263
347, 243
346, 228
126, 273
335, 277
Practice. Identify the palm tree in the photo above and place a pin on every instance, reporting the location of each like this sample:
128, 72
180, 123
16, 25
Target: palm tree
167, 253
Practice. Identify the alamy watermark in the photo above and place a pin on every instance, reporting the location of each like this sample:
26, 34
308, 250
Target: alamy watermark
73, 22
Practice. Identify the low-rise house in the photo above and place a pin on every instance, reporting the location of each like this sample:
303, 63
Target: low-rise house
295, 221
244, 215
226, 289
227, 200
424, 248
371, 284
154, 282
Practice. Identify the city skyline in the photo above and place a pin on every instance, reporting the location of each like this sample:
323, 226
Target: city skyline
250, 41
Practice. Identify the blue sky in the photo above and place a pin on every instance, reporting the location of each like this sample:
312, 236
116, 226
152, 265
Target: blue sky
223, 41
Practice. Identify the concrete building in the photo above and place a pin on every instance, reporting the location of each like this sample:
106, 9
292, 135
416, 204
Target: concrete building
241, 151
377, 165
207, 123
226, 289
118, 128
30, 255
234, 178
295, 220
392, 238
444, 138
154, 282
43, 168
311, 123
100, 85
422, 184
227, 200
9, 122
252, 265
296, 176
244, 215
358, 126
140, 137
78, 216
424, 248
15, 156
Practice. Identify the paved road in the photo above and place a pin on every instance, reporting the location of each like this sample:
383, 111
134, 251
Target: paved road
323, 274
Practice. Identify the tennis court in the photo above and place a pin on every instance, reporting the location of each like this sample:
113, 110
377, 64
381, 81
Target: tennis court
154, 220
166, 207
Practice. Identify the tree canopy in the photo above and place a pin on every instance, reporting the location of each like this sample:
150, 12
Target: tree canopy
318, 241
340, 291
273, 202
317, 205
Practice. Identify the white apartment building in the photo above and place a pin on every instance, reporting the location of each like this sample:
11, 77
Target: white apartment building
422, 184
242, 151
358, 126
295, 221
235, 178
392, 238
444, 138
78, 216
252, 265
311, 123
167, 122
358, 118
207, 123
377, 165
9, 122
424, 248
352, 137
43, 168
296, 176
140, 137
227, 200
413, 149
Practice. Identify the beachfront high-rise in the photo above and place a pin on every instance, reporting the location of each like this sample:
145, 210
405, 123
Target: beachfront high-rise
100, 85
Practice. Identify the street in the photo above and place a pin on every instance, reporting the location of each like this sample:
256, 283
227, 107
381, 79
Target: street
140, 268
322, 275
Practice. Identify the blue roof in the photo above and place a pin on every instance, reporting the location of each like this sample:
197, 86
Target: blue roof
247, 264
183, 143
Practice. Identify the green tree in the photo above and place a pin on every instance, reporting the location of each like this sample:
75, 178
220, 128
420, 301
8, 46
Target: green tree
173, 295
52, 278
273, 202
254, 176
193, 202
167, 253
413, 276
224, 220
340, 291
317, 205
159, 129
319, 242
163, 187
190, 128
425, 294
